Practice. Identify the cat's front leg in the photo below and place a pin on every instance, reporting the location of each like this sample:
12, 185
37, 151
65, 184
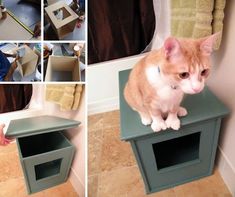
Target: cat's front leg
173, 121
158, 123
146, 119
182, 111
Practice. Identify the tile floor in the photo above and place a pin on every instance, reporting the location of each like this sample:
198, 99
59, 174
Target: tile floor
12, 181
113, 171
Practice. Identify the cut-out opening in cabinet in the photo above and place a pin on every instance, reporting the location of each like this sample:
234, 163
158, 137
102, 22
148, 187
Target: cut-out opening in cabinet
42, 143
177, 151
47, 169
61, 14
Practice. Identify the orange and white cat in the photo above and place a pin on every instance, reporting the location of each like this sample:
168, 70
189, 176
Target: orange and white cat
158, 82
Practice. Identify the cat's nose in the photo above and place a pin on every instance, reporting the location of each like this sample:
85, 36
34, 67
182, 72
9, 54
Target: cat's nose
196, 89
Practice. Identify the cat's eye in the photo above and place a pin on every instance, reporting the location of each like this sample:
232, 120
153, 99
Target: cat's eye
184, 75
205, 72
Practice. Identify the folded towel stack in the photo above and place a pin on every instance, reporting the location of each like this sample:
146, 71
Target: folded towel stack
67, 96
197, 18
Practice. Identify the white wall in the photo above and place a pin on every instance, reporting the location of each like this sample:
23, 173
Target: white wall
222, 82
103, 83
77, 137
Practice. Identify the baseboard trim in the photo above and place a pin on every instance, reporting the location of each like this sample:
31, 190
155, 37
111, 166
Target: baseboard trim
103, 106
77, 183
227, 171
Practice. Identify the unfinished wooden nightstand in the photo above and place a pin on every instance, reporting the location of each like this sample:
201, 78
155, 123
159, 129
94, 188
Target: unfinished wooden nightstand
63, 68
27, 64
62, 18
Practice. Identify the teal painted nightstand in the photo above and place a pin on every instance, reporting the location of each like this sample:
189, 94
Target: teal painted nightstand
45, 153
169, 158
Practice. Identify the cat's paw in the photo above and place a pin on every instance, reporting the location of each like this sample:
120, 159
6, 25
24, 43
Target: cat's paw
158, 125
146, 121
173, 123
182, 111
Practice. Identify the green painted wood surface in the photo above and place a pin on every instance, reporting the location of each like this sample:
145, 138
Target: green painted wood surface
29, 163
40, 143
185, 168
200, 107
38, 125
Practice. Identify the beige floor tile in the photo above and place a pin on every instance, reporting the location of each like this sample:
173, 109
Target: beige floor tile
10, 166
95, 122
213, 186
92, 186
111, 119
62, 190
16, 187
187, 190
115, 153
9, 148
164, 193
125, 181
94, 151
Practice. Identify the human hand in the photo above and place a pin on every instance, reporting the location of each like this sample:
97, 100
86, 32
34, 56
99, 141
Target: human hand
3, 141
14, 55
37, 30
17, 57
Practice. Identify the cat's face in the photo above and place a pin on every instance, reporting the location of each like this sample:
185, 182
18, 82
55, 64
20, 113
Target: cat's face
187, 63
192, 81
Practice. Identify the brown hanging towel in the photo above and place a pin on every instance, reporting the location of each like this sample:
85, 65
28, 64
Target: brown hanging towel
14, 96
119, 28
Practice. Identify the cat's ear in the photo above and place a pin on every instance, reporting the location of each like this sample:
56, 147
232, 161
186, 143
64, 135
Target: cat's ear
207, 44
171, 48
